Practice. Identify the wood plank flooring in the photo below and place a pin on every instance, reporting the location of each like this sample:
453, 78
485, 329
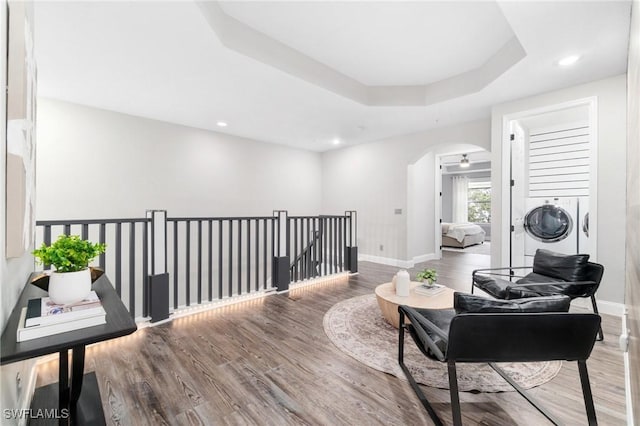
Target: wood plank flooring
268, 362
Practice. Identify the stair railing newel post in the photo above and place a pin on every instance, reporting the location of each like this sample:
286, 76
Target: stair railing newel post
280, 272
351, 241
156, 290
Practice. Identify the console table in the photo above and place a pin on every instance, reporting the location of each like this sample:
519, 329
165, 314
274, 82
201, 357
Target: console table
80, 398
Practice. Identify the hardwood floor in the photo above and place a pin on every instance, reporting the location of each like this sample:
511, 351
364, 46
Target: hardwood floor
269, 362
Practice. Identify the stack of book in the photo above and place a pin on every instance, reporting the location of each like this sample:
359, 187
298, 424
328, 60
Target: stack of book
428, 289
43, 318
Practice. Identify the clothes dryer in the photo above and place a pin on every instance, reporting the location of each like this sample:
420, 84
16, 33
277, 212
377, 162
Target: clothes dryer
550, 223
584, 242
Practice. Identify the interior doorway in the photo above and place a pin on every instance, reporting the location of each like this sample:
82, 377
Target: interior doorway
552, 181
465, 202
424, 193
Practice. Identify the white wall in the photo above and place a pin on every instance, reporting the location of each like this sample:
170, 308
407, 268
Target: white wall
611, 125
372, 179
13, 272
99, 164
420, 209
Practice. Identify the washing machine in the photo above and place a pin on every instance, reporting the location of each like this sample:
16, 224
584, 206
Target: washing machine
584, 243
550, 223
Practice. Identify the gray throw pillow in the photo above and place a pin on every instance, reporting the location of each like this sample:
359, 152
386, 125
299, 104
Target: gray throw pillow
469, 303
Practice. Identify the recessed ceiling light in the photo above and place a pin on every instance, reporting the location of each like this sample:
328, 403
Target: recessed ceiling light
221, 124
336, 141
569, 60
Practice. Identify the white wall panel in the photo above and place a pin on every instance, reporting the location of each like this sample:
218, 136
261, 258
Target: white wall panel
559, 161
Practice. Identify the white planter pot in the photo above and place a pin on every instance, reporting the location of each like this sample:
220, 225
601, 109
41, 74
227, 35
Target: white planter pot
69, 287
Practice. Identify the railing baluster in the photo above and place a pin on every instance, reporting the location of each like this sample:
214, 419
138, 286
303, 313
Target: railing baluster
248, 256
329, 245
220, 259
102, 238
340, 244
273, 254
47, 235
85, 231
175, 265
67, 229
210, 261
230, 257
314, 250
239, 266
304, 226
199, 262
264, 252
334, 246
145, 267
119, 258
257, 258
132, 269
323, 255
188, 264
296, 268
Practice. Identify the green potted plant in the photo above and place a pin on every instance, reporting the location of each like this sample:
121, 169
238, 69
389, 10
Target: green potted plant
427, 276
70, 256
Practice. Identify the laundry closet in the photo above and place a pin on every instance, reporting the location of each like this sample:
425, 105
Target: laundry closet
552, 183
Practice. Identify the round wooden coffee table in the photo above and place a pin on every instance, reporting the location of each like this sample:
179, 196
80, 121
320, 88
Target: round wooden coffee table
388, 301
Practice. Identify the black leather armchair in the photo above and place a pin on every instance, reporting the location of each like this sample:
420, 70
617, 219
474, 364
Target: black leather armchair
483, 330
552, 273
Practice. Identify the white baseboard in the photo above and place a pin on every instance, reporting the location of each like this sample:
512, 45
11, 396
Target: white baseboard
604, 307
424, 258
385, 260
397, 262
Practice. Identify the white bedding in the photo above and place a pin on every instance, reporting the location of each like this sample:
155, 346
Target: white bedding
460, 230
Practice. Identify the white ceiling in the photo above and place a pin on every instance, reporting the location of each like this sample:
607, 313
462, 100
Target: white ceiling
170, 61
384, 43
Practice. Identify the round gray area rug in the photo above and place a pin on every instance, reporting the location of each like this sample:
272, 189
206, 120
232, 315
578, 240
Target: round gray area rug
357, 328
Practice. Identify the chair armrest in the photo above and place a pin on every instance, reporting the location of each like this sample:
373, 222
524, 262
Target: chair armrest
422, 323
488, 271
501, 269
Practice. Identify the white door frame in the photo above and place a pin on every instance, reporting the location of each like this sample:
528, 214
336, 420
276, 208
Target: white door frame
592, 104
437, 200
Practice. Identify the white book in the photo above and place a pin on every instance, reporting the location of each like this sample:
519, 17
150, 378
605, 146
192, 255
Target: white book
35, 332
429, 290
43, 311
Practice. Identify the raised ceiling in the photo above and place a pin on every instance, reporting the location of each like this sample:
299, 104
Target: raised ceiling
384, 43
178, 62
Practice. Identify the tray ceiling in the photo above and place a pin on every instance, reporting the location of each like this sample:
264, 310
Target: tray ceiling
307, 74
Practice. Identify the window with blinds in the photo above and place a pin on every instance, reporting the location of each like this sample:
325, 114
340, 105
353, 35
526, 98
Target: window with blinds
559, 162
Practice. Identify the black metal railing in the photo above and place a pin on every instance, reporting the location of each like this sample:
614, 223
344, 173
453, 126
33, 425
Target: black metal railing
211, 258
125, 259
319, 245
219, 257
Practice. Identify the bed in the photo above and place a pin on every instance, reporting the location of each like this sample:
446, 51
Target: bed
461, 235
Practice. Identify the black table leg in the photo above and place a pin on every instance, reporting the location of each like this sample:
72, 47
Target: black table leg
63, 380
77, 373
